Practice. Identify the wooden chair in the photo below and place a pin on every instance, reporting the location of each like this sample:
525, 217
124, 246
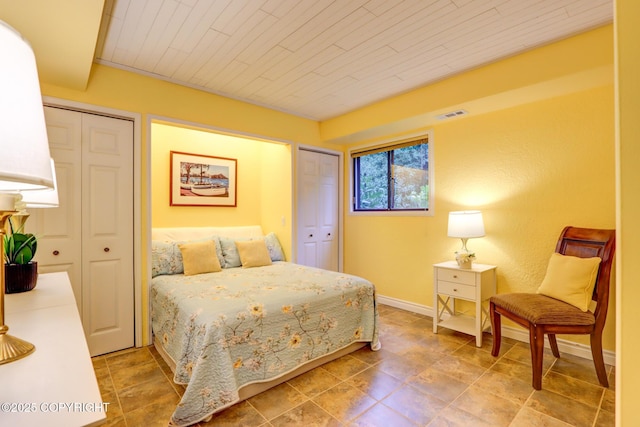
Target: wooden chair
544, 315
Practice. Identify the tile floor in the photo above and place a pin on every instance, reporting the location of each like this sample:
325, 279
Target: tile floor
417, 379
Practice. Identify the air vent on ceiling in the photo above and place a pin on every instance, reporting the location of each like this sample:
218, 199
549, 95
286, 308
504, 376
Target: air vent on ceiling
452, 114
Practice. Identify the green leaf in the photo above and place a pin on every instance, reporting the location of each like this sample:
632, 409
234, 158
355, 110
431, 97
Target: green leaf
20, 248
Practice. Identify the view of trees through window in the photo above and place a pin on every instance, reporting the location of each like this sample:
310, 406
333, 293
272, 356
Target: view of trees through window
396, 179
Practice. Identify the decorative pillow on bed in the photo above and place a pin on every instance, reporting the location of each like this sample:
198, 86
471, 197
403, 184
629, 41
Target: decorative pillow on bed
199, 257
273, 246
165, 258
230, 252
571, 279
253, 253
216, 239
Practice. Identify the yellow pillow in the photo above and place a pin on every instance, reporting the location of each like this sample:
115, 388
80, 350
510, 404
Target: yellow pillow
253, 253
199, 257
570, 279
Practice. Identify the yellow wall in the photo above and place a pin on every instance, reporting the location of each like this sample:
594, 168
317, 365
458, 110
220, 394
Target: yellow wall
263, 181
120, 89
531, 169
627, 33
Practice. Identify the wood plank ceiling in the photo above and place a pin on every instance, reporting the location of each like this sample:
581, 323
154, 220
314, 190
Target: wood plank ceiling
322, 58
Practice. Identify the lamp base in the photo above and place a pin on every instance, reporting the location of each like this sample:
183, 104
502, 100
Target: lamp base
12, 348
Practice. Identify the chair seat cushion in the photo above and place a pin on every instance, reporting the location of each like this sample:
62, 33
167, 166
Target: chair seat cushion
543, 310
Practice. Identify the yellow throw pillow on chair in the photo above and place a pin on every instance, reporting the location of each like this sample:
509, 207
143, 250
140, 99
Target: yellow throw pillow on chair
571, 279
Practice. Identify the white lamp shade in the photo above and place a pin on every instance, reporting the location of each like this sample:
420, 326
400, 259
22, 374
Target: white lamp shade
25, 162
45, 198
466, 224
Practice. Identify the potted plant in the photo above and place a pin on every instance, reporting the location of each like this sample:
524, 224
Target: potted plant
465, 259
21, 273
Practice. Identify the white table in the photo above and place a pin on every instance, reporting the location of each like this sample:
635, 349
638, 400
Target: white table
476, 284
56, 385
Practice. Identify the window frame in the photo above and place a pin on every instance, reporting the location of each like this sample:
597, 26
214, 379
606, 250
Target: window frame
388, 145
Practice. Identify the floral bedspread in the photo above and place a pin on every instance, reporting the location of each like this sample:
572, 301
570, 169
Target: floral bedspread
231, 328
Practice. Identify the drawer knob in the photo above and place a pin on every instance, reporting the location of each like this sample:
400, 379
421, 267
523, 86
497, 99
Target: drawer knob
56, 252
455, 290
455, 277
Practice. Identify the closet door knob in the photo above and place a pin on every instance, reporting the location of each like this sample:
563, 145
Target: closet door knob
56, 252
107, 249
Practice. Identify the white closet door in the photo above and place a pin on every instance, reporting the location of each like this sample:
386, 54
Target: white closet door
308, 171
318, 211
59, 230
107, 233
91, 234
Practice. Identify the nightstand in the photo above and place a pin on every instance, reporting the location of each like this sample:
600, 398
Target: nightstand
475, 284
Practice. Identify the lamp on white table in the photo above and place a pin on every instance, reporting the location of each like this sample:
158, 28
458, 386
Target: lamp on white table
465, 225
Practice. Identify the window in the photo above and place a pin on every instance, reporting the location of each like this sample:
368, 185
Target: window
392, 178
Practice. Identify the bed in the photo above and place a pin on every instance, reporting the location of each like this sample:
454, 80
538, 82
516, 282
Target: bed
230, 334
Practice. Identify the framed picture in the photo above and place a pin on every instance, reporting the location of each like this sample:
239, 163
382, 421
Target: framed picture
200, 180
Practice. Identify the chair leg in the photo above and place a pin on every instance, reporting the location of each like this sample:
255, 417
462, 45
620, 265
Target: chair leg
554, 345
496, 329
536, 342
598, 359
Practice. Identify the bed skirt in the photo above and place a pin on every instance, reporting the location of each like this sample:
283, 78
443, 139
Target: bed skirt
249, 390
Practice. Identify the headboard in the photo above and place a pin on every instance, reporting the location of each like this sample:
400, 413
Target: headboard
170, 234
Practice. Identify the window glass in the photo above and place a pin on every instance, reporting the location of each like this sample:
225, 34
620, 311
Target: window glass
394, 178
410, 177
373, 188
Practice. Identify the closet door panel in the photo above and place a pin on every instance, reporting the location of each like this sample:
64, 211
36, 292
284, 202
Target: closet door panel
59, 230
107, 232
328, 212
307, 208
318, 216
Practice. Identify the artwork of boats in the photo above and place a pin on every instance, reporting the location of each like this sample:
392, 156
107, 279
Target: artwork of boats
208, 190
202, 180
198, 179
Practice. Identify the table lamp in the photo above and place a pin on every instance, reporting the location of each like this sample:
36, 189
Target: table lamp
25, 161
465, 225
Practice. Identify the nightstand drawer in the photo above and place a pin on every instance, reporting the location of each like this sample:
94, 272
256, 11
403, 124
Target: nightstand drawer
457, 290
457, 276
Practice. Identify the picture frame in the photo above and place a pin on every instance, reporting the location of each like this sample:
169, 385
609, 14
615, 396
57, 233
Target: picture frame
202, 180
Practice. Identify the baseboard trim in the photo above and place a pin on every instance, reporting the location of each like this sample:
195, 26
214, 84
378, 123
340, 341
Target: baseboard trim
405, 305
518, 334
